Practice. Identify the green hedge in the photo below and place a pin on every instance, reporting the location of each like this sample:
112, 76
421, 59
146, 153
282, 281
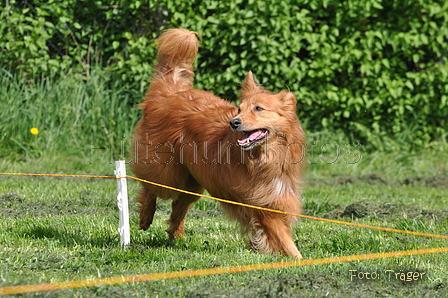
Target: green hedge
49, 38
369, 67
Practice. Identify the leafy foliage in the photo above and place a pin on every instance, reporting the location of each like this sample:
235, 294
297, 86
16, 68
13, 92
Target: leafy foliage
368, 67
371, 68
44, 38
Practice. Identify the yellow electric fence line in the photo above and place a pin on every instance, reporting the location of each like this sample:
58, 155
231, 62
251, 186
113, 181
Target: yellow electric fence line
246, 205
298, 215
210, 271
59, 175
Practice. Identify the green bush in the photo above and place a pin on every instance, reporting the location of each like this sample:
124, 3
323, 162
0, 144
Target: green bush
371, 68
368, 67
50, 38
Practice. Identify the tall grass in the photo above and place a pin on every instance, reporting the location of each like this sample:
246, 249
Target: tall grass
72, 115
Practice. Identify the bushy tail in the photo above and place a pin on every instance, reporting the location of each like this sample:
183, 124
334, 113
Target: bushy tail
177, 49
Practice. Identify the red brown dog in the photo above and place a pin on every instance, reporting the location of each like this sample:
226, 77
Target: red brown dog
193, 140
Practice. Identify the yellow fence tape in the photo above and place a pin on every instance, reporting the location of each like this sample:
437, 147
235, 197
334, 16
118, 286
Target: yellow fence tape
211, 271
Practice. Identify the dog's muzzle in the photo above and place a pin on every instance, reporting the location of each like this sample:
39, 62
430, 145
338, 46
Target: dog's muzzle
250, 138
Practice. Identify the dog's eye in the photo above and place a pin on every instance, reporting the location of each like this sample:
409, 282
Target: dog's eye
258, 108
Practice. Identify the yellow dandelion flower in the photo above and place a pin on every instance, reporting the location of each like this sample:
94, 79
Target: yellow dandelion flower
34, 131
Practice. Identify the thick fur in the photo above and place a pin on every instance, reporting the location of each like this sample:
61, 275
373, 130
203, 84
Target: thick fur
188, 139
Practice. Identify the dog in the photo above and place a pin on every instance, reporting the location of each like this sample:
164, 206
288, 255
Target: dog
193, 140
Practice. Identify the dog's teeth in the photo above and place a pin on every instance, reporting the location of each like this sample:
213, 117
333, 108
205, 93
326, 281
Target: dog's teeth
243, 142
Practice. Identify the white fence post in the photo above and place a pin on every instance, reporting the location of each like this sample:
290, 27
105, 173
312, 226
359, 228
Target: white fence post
122, 201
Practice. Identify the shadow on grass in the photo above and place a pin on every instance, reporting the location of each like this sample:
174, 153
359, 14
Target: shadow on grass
151, 239
103, 240
70, 238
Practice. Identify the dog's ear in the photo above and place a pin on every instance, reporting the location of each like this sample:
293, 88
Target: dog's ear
249, 86
288, 99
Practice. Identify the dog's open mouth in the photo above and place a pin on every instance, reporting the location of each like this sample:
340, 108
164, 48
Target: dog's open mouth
252, 138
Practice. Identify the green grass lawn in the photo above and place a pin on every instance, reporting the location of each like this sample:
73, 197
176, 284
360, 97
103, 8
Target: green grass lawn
64, 229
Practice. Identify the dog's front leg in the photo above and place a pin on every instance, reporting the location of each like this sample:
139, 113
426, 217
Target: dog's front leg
272, 234
179, 211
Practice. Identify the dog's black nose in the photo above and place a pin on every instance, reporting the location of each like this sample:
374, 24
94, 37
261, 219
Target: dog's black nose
235, 123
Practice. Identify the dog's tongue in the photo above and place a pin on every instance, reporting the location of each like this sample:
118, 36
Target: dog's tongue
251, 136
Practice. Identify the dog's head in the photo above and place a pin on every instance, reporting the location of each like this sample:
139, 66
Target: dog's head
263, 116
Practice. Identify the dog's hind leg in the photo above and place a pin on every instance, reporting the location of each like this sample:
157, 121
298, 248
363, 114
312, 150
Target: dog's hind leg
147, 209
180, 208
